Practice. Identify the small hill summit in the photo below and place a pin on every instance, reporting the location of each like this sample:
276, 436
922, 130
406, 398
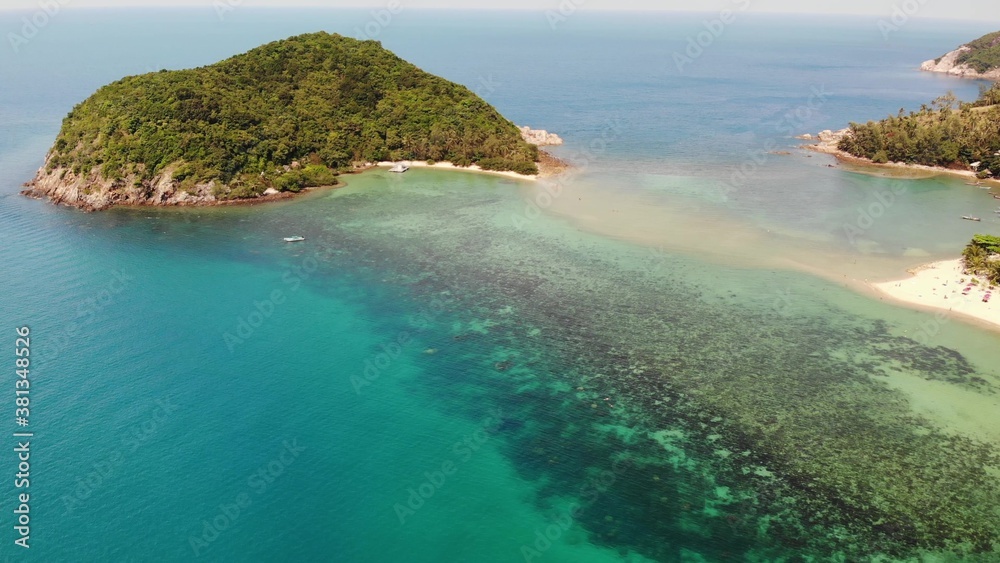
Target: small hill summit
282, 117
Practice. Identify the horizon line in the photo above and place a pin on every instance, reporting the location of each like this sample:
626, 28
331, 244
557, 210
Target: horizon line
307, 5
182, 7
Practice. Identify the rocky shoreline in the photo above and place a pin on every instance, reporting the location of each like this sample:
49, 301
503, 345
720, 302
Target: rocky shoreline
92, 192
948, 64
540, 137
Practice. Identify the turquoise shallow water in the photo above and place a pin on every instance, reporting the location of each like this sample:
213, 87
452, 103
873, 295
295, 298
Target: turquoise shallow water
206, 391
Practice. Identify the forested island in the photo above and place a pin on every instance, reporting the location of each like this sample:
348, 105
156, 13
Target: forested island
977, 59
282, 117
948, 134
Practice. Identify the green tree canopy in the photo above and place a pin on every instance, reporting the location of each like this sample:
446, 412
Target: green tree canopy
323, 100
946, 137
983, 54
982, 257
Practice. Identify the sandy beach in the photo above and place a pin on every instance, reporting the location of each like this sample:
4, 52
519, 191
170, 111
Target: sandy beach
548, 166
942, 286
449, 166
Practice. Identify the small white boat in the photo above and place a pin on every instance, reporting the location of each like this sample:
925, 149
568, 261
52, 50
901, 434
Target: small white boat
294, 239
399, 168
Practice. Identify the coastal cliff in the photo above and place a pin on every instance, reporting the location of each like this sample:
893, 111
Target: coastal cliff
93, 192
979, 59
269, 123
949, 64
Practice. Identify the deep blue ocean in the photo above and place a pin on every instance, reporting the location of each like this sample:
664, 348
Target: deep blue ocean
439, 373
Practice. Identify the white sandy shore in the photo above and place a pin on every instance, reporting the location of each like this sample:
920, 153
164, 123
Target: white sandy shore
940, 286
449, 166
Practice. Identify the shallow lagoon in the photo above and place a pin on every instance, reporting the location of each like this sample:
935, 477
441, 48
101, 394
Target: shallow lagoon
695, 397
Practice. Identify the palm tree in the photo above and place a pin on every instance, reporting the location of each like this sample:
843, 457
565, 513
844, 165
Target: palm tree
975, 258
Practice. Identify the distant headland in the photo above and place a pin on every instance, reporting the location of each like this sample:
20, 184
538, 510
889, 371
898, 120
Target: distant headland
977, 59
283, 117
949, 136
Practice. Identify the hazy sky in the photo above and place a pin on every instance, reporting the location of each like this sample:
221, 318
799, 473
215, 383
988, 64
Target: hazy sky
957, 9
